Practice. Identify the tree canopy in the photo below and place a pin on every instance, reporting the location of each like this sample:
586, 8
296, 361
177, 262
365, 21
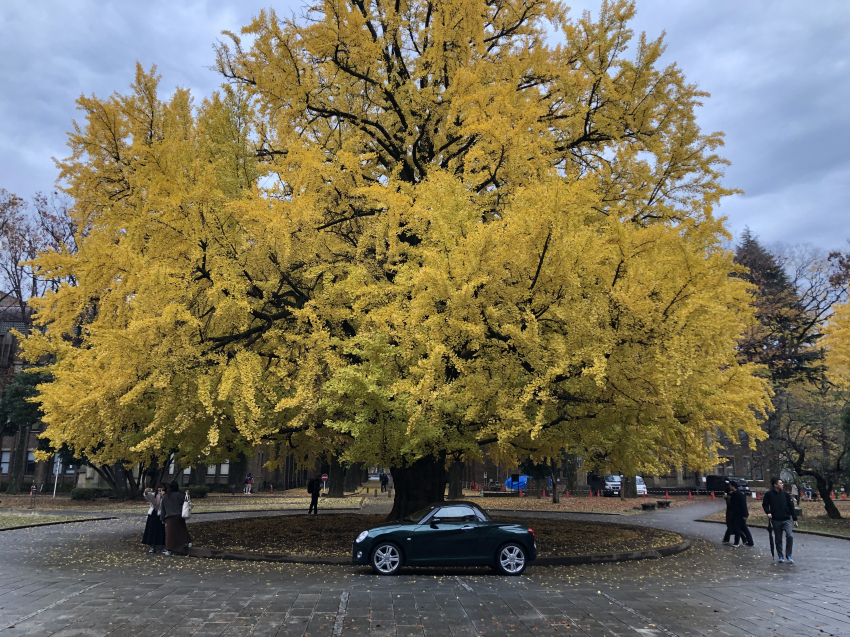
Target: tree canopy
400, 231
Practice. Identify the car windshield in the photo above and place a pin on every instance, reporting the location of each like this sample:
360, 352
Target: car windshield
612, 478
640, 480
417, 517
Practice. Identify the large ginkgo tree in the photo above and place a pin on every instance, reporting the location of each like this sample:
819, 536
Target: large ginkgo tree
403, 231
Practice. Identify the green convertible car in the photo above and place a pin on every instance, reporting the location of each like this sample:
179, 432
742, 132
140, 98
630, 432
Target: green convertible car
446, 534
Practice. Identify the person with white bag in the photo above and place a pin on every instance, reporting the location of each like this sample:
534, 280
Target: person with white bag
175, 508
154, 528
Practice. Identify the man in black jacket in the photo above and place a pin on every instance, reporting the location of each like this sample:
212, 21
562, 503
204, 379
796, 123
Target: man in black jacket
314, 487
780, 511
738, 514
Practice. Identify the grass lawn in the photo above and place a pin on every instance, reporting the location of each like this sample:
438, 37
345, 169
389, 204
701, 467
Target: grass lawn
334, 534
12, 520
573, 505
213, 502
814, 517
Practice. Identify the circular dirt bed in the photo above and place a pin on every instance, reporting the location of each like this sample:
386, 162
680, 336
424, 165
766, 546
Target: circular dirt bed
333, 535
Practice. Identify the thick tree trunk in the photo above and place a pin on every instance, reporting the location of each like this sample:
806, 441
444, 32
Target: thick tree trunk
553, 474
418, 485
19, 461
629, 487
352, 477
455, 484
238, 471
826, 493
336, 486
572, 473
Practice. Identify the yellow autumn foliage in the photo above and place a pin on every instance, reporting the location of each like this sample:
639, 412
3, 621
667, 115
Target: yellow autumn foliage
403, 230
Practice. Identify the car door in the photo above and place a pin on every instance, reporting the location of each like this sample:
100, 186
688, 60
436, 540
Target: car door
451, 535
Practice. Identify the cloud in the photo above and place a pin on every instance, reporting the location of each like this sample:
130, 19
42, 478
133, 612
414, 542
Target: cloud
777, 72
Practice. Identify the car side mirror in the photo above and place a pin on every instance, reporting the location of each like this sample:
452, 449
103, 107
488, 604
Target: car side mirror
434, 522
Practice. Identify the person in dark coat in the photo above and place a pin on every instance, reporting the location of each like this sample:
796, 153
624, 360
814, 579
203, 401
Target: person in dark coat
154, 528
738, 514
314, 488
729, 529
779, 506
171, 511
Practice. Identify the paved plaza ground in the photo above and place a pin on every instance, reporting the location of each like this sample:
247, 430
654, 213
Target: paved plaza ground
92, 578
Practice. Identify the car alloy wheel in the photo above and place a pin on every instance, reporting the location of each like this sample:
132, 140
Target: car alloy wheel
511, 559
386, 559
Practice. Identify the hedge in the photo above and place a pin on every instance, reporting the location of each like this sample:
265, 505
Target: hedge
81, 493
198, 492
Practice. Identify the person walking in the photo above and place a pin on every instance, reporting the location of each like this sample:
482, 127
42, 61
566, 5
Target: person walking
314, 488
779, 506
171, 511
154, 535
729, 529
738, 513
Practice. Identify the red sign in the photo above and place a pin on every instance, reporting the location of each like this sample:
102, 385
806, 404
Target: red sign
324, 477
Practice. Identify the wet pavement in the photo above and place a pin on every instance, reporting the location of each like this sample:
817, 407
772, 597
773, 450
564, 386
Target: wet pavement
94, 578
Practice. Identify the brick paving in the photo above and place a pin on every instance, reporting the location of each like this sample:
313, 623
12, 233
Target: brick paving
93, 579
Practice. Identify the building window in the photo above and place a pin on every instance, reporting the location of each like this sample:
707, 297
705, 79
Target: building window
30, 469
187, 471
748, 468
728, 468
4, 461
70, 468
171, 469
757, 474
224, 468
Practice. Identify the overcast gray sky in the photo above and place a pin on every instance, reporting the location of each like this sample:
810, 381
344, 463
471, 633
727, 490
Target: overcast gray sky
778, 72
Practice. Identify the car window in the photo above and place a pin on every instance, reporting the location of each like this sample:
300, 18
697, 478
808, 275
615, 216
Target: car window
421, 513
481, 515
640, 480
456, 513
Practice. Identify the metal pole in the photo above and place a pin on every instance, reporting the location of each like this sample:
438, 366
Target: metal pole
55, 474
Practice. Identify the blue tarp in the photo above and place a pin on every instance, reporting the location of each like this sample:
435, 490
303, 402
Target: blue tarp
516, 485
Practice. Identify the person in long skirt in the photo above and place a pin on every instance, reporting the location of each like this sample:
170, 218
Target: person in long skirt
154, 528
171, 511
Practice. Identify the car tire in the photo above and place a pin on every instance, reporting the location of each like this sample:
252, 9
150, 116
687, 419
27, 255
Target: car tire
386, 559
511, 559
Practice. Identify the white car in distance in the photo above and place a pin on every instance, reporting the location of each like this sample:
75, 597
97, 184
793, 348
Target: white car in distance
612, 485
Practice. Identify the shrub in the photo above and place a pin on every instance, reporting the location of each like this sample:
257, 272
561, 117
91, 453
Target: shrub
198, 492
83, 493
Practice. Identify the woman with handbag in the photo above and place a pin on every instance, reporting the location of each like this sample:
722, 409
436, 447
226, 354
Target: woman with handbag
154, 528
175, 508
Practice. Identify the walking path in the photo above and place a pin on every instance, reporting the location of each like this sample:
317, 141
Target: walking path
94, 579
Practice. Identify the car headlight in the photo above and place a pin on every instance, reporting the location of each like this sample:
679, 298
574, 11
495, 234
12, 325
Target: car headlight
361, 537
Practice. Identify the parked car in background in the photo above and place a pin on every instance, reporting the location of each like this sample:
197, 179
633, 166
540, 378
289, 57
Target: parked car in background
613, 485
720, 484
446, 534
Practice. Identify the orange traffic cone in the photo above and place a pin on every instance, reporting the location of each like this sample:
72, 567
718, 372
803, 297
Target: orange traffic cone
844, 496
712, 496
544, 493
520, 494
567, 494
690, 495
758, 495
644, 495
666, 495
503, 488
